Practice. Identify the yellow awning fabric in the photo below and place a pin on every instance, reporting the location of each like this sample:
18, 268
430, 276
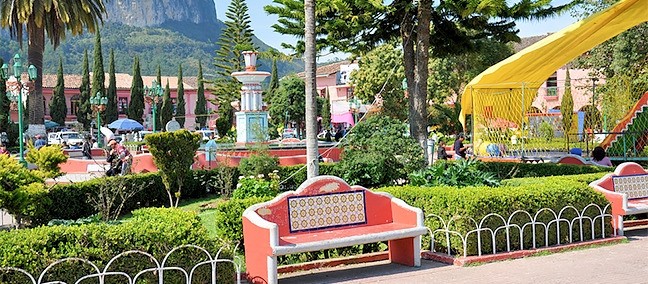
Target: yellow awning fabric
529, 68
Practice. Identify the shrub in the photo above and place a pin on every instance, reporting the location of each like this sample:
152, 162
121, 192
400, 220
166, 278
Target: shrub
229, 217
461, 173
173, 154
518, 170
546, 131
260, 163
153, 230
257, 186
22, 192
293, 176
47, 159
474, 203
379, 152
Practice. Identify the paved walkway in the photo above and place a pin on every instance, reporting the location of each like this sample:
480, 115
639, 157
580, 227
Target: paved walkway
620, 263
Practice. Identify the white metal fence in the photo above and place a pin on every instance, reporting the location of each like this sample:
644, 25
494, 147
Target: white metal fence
555, 228
159, 269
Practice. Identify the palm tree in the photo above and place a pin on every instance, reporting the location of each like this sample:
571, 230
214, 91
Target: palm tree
53, 18
312, 166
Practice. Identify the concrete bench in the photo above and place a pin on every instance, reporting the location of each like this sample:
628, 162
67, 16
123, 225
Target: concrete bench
627, 191
324, 213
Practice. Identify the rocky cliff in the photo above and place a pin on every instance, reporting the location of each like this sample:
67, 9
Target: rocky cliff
150, 13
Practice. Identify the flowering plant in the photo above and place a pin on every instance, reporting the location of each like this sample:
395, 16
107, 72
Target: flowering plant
257, 186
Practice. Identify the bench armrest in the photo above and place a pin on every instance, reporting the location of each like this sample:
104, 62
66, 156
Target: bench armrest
618, 201
265, 233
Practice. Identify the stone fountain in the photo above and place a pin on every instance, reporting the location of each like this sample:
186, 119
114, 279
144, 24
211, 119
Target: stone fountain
251, 119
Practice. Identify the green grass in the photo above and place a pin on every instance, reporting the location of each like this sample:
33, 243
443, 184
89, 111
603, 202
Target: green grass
204, 207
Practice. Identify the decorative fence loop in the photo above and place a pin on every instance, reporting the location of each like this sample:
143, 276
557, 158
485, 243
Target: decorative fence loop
159, 267
557, 223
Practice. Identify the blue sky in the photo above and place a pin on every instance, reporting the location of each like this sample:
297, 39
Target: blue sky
262, 22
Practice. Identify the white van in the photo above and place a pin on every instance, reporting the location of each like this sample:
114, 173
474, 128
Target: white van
70, 137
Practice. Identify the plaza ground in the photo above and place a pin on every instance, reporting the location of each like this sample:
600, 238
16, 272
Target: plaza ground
620, 263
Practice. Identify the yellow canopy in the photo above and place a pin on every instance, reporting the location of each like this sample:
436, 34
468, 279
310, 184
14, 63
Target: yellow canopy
529, 68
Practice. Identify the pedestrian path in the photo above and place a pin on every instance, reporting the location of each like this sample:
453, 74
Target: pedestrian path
620, 263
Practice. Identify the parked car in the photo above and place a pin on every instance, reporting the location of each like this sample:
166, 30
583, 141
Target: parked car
289, 133
70, 137
206, 133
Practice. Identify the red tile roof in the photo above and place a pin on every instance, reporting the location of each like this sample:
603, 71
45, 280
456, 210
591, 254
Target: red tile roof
123, 81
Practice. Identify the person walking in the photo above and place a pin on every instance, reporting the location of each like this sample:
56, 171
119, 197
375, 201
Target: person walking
86, 149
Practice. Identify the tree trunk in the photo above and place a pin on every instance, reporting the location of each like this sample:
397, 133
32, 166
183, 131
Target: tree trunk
418, 99
35, 50
311, 102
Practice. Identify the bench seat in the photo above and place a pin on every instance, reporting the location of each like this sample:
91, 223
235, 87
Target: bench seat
637, 206
336, 238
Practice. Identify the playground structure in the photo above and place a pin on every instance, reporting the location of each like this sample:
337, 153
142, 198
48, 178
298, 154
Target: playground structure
497, 106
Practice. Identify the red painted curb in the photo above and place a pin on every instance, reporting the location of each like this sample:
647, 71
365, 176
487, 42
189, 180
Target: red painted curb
462, 261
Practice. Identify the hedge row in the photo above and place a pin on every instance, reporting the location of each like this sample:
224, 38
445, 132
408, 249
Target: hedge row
471, 204
520, 170
530, 194
153, 230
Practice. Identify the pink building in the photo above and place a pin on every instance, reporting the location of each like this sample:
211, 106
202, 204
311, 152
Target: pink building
583, 86
73, 82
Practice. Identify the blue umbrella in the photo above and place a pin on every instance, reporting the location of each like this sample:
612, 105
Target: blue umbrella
126, 124
50, 124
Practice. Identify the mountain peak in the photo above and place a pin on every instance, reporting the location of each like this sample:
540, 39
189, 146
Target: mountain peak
151, 13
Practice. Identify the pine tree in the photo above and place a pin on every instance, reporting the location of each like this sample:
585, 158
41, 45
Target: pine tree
274, 78
58, 108
326, 113
201, 104
136, 105
112, 112
567, 107
180, 101
98, 76
158, 79
5, 105
84, 112
166, 112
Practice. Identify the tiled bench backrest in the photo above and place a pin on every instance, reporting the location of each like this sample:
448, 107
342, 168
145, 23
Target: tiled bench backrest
288, 208
326, 211
635, 186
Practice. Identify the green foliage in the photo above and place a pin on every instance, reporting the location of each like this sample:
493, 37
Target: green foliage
325, 113
5, 105
153, 230
546, 131
274, 78
235, 38
229, 217
173, 154
201, 104
47, 159
166, 113
567, 107
381, 72
461, 173
58, 107
136, 102
113, 195
98, 76
180, 103
111, 114
22, 191
531, 195
84, 112
523, 170
289, 99
378, 152
257, 186
258, 163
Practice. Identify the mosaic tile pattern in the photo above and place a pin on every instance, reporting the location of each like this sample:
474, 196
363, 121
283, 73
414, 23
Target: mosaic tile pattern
635, 186
326, 211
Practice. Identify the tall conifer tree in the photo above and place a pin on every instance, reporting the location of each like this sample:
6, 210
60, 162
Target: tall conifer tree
136, 105
567, 108
98, 76
84, 111
112, 112
180, 101
58, 107
201, 104
5, 105
166, 112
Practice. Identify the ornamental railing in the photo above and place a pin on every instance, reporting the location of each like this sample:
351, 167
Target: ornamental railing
521, 230
156, 273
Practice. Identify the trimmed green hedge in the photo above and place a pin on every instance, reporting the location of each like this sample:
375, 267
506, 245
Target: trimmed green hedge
154, 230
529, 194
519, 170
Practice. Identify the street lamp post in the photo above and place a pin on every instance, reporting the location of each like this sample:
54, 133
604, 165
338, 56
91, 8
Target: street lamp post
16, 89
98, 104
354, 106
153, 95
